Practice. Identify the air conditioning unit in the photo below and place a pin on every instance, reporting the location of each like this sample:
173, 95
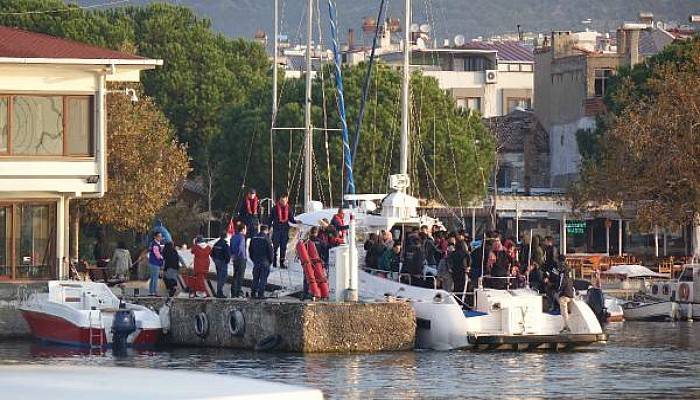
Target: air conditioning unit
491, 76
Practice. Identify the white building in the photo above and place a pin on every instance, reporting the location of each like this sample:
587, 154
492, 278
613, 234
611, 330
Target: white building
492, 78
52, 143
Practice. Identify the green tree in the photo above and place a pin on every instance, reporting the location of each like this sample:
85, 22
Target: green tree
449, 148
648, 150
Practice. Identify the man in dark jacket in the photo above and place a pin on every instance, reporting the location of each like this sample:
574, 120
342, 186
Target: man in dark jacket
282, 216
550, 254
460, 261
249, 212
221, 254
239, 256
565, 291
261, 253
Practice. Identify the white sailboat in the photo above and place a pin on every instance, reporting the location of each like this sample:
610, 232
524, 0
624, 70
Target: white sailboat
510, 319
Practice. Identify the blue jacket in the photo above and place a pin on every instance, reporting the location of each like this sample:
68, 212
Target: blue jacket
238, 249
261, 249
155, 254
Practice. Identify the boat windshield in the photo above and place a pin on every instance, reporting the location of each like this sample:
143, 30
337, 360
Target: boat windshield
686, 275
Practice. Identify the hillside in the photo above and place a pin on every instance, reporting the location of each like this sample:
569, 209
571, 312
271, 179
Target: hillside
448, 17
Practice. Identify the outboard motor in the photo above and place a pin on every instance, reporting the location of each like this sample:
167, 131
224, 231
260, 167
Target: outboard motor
124, 324
596, 302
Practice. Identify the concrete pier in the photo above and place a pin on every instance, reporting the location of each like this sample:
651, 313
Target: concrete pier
289, 325
12, 325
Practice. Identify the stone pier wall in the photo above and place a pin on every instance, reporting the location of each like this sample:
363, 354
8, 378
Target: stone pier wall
12, 324
295, 326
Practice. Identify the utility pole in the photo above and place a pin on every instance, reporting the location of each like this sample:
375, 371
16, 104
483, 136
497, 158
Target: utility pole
308, 139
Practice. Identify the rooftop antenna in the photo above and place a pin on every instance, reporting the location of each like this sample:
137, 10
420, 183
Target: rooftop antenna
520, 34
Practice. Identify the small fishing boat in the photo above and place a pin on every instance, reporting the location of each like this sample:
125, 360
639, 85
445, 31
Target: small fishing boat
650, 310
668, 299
83, 314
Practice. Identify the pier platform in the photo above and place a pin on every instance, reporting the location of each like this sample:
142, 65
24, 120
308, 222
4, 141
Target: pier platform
288, 324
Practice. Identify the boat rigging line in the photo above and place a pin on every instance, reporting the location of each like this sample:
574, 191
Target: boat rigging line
347, 155
365, 85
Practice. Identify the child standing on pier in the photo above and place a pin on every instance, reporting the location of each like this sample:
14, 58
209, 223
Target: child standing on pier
201, 251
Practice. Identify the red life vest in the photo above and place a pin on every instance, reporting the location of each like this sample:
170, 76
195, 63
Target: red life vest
282, 213
251, 205
340, 221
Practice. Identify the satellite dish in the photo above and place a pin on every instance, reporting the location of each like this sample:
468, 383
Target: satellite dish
659, 25
420, 43
425, 28
459, 40
414, 28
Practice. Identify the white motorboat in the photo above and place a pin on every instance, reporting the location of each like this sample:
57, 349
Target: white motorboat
37, 382
83, 313
650, 310
501, 319
675, 299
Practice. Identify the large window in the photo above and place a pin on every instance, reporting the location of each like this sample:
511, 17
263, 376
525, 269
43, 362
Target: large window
519, 102
46, 125
28, 240
469, 103
602, 79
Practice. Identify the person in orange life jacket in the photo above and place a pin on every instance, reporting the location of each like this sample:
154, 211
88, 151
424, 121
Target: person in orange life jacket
282, 216
201, 251
249, 212
221, 254
155, 262
239, 256
261, 254
338, 222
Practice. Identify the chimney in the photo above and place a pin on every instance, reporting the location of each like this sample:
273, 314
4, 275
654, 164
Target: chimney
634, 47
646, 18
621, 41
351, 39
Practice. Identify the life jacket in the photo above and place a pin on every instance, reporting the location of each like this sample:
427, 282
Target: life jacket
251, 205
339, 222
282, 213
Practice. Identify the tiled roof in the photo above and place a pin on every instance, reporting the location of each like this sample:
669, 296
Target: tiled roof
512, 129
652, 42
507, 51
17, 43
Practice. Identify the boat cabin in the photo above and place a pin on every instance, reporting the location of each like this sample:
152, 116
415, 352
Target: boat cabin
53, 143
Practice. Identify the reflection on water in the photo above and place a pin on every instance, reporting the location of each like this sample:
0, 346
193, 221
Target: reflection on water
641, 360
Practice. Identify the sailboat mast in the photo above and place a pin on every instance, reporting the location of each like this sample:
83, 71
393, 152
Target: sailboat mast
405, 117
308, 142
275, 63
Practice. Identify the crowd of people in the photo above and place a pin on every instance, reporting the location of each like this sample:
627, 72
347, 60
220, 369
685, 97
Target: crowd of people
264, 244
453, 260
458, 263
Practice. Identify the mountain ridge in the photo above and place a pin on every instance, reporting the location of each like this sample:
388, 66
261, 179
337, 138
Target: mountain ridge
447, 17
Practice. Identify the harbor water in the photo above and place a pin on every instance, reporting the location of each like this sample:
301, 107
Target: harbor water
641, 360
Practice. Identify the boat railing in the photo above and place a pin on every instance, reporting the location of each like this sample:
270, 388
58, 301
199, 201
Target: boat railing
397, 275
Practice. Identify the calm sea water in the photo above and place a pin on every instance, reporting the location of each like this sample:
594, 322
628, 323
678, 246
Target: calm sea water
641, 360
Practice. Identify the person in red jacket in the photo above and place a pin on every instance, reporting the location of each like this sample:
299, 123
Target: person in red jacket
201, 251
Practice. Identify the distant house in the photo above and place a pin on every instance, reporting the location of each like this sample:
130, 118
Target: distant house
52, 142
491, 78
572, 73
523, 153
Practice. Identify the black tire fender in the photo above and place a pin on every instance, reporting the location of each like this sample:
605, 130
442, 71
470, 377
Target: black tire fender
269, 343
201, 325
236, 322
